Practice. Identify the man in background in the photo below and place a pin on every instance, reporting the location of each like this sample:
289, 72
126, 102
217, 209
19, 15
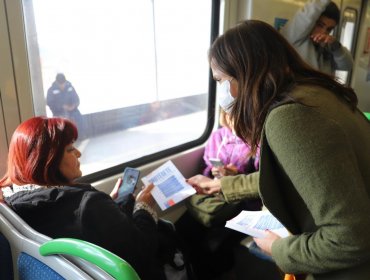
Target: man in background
63, 100
309, 31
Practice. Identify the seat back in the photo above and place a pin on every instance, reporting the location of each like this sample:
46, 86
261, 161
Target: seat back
28, 264
116, 266
19, 224
93, 260
6, 263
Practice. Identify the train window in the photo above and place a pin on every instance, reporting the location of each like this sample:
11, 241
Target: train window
139, 69
347, 36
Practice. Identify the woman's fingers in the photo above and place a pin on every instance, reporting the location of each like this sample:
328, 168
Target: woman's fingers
114, 192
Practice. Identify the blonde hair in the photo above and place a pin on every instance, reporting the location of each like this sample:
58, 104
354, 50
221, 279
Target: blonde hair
225, 119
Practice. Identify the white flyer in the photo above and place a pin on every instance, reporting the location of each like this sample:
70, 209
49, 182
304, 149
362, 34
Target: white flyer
254, 223
170, 186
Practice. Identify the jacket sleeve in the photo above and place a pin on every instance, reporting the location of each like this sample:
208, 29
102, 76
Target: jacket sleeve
51, 101
134, 238
239, 187
300, 26
75, 98
317, 156
343, 59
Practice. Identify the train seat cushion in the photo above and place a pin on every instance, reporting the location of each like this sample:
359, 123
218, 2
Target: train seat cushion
32, 269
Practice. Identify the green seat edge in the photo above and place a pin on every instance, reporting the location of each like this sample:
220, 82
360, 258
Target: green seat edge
104, 259
367, 114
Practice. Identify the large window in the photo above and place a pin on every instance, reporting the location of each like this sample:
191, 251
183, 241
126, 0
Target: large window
139, 69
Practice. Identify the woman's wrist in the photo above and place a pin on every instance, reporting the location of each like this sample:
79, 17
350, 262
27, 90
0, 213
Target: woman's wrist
140, 205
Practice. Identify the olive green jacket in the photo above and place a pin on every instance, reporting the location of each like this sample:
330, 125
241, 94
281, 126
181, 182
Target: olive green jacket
315, 178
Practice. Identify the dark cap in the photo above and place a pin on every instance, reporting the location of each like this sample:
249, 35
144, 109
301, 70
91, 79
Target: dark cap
60, 78
332, 12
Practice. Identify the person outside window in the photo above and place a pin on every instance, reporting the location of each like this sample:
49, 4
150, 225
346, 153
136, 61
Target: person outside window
63, 101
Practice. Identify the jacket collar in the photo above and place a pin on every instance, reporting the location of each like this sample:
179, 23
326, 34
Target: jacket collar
13, 189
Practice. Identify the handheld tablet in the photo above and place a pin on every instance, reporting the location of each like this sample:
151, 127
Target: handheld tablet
129, 180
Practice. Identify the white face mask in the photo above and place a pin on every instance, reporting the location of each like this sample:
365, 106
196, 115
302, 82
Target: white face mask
225, 99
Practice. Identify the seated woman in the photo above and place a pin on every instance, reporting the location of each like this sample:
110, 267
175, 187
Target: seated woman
39, 185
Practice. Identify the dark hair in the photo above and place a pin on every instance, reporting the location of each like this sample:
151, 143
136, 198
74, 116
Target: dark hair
265, 66
60, 78
36, 150
332, 12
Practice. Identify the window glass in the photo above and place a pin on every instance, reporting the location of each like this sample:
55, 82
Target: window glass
134, 73
347, 35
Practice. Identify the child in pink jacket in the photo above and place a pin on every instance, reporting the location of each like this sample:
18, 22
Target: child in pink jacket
224, 145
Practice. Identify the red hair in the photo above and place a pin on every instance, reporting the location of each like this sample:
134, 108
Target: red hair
36, 150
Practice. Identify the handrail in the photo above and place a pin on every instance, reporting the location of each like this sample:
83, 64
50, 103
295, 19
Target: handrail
109, 262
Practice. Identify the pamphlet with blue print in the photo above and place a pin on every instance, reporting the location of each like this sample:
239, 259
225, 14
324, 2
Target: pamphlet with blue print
254, 223
170, 186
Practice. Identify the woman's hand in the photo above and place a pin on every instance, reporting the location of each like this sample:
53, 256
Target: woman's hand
114, 192
204, 185
145, 196
265, 243
217, 172
231, 170
323, 39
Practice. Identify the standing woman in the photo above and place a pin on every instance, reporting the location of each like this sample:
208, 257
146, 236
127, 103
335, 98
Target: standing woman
315, 153
39, 185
